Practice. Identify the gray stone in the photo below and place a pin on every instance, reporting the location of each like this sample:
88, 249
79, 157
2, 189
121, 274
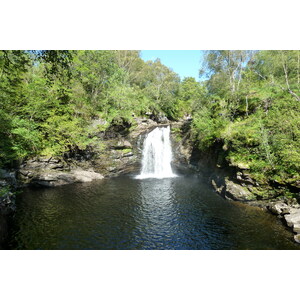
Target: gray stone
56, 178
128, 154
111, 168
127, 144
297, 238
237, 192
115, 154
296, 228
44, 159
293, 217
279, 208
86, 176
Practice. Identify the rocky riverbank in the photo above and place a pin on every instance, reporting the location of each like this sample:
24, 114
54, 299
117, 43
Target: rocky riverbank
117, 150
234, 182
290, 214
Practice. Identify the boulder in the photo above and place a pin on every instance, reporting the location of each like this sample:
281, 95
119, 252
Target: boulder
56, 178
279, 208
293, 217
296, 228
236, 192
297, 238
86, 176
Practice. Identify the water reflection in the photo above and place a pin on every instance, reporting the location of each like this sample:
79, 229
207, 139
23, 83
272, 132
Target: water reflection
125, 213
157, 214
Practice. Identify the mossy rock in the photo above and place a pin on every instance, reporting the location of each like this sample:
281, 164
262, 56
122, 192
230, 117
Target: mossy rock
124, 151
237, 192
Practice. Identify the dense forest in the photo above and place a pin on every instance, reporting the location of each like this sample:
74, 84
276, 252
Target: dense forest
48, 98
247, 104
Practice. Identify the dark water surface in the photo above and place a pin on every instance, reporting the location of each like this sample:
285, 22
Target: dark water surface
126, 213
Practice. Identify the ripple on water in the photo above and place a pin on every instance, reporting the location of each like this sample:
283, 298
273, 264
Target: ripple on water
125, 213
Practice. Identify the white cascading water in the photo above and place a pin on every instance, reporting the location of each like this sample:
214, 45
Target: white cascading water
157, 155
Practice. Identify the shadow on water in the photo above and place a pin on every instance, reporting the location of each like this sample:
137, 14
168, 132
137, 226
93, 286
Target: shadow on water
126, 213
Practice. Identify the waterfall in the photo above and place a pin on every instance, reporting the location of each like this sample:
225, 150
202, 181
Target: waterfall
157, 154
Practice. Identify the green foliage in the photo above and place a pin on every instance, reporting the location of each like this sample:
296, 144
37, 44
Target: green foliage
207, 127
250, 103
253, 108
49, 98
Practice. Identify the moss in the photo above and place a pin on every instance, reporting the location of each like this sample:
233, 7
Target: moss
124, 151
263, 193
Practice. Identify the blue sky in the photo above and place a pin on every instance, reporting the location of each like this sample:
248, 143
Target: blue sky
184, 62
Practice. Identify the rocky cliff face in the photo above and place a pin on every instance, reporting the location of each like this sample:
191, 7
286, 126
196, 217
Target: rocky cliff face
118, 151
